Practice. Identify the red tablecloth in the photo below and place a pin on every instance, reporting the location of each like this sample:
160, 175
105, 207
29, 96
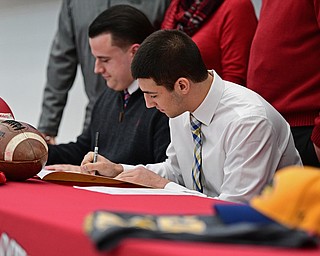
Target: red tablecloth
47, 219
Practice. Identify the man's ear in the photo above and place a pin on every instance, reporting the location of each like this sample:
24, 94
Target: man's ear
134, 48
182, 85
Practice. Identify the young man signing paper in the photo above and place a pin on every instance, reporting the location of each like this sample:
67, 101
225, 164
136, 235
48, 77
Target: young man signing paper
226, 141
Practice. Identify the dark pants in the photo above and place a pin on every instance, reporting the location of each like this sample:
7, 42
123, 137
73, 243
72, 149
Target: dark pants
302, 140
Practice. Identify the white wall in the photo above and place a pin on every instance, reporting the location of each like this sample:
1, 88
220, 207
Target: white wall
26, 31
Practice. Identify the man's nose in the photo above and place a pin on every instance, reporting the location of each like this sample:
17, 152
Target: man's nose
98, 69
149, 101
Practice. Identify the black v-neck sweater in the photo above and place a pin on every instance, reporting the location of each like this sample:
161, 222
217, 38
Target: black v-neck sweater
131, 135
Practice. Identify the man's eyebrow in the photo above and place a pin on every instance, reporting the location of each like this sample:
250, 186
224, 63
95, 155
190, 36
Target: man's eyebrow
148, 92
102, 57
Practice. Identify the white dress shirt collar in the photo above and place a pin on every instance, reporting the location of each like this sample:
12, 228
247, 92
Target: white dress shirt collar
205, 112
133, 87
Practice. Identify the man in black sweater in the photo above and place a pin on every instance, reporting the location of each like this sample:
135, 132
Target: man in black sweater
129, 132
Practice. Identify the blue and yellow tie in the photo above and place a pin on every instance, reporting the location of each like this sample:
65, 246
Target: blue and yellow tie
196, 168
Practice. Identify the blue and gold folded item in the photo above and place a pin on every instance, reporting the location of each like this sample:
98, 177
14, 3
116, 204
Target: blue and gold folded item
293, 200
286, 214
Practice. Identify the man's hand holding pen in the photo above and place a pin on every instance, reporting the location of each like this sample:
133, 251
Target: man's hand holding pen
107, 168
102, 165
90, 164
94, 164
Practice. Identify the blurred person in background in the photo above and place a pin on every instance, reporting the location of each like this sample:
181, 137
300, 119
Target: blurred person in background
222, 29
284, 68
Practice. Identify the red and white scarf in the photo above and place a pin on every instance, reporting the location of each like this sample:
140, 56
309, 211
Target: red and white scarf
189, 15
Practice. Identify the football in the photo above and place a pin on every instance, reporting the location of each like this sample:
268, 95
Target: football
5, 111
23, 150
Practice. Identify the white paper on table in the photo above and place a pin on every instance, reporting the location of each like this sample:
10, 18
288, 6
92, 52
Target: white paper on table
135, 191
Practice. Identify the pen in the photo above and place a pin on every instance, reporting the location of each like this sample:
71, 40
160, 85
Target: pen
95, 155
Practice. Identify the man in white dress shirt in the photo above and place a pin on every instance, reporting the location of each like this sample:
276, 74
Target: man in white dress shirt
244, 140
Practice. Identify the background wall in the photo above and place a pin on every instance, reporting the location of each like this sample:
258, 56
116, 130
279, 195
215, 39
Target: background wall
26, 31
27, 28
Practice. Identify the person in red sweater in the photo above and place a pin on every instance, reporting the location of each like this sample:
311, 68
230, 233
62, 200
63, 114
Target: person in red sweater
222, 29
284, 68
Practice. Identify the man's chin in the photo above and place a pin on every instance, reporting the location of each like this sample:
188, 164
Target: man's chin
162, 111
113, 87
172, 115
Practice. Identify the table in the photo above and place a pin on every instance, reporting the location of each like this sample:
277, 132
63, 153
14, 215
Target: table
47, 219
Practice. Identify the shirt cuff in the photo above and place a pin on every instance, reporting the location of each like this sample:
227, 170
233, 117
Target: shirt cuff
128, 167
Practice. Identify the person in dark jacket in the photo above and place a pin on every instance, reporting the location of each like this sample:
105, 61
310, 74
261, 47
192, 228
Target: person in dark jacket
129, 132
70, 49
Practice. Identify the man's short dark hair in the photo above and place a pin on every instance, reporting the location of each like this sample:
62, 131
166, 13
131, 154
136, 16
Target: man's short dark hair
126, 24
167, 55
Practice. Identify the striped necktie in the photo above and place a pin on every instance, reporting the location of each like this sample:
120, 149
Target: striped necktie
126, 97
196, 168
